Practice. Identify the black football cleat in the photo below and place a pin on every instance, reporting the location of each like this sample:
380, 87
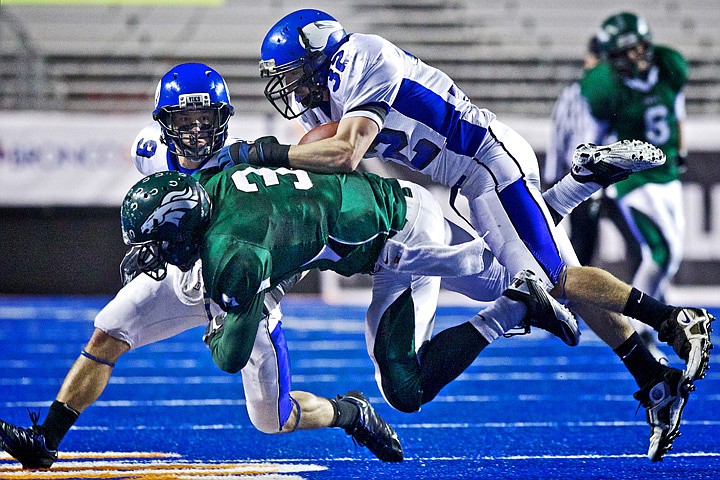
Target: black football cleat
543, 311
27, 445
371, 431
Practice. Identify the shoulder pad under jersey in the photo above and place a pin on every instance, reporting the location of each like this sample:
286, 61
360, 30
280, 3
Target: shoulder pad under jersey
149, 154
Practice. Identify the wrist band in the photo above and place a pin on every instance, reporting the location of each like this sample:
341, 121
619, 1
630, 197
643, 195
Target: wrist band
274, 154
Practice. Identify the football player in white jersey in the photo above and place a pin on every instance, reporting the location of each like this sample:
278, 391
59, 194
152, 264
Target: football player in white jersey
391, 105
192, 110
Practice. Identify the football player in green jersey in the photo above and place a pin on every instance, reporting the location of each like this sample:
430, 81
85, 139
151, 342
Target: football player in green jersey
637, 93
268, 224
255, 227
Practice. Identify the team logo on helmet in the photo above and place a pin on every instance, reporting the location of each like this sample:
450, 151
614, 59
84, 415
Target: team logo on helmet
316, 34
157, 93
171, 209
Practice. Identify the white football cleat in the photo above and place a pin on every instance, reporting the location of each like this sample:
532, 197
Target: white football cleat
608, 164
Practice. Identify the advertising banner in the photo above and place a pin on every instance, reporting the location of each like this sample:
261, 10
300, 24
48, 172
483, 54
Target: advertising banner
66, 159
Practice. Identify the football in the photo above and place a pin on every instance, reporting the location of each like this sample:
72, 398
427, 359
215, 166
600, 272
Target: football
321, 132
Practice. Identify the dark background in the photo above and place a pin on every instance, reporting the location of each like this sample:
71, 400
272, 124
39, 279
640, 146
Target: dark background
77, 250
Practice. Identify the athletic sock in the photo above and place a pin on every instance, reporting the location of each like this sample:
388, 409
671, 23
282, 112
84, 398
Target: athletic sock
59, 419
346, 413
646, 309
446, 356
451, 351
639, 361
568, 193
499, 317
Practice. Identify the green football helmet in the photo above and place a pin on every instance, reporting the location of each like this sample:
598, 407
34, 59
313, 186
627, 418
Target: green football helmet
165, 215
620, 33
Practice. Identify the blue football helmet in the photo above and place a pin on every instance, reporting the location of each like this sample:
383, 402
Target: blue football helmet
165, 216
192, 106
302, 42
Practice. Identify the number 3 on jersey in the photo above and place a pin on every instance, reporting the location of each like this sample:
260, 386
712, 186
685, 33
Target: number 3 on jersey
269, 178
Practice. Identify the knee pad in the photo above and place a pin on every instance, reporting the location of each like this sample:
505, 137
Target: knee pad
264, 417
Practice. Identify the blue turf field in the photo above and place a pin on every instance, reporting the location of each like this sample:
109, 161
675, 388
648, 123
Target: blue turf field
528, 408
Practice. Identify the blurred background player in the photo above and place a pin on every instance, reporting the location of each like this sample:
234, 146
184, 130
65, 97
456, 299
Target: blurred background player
636, 92
569, 128
192, 111
572, 125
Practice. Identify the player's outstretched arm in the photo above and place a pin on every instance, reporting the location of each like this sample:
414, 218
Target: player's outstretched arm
231, 337
341, 151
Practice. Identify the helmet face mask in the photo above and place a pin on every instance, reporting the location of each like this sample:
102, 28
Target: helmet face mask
296, 91
150, 261
165, 214
295, 56
193, 108
632, 62
625, 41
193, 132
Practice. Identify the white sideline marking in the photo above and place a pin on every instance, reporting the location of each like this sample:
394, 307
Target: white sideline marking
481, 362
120, 455
155, 466
511, 457
327, 345
179, 380
703, 423
211, 402
79, 314
332, 378
514, 457
409, 426
594, 456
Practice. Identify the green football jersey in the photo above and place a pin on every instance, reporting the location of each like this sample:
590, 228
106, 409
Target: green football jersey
268, 224
639, 112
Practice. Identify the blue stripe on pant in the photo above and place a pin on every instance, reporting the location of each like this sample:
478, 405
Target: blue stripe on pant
285, 404
532, 227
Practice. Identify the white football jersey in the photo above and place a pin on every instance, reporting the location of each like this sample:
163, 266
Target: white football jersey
431, 126
150, 155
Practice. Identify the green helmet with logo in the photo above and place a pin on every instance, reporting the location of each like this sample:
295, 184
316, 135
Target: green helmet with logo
620, 33
165, 215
